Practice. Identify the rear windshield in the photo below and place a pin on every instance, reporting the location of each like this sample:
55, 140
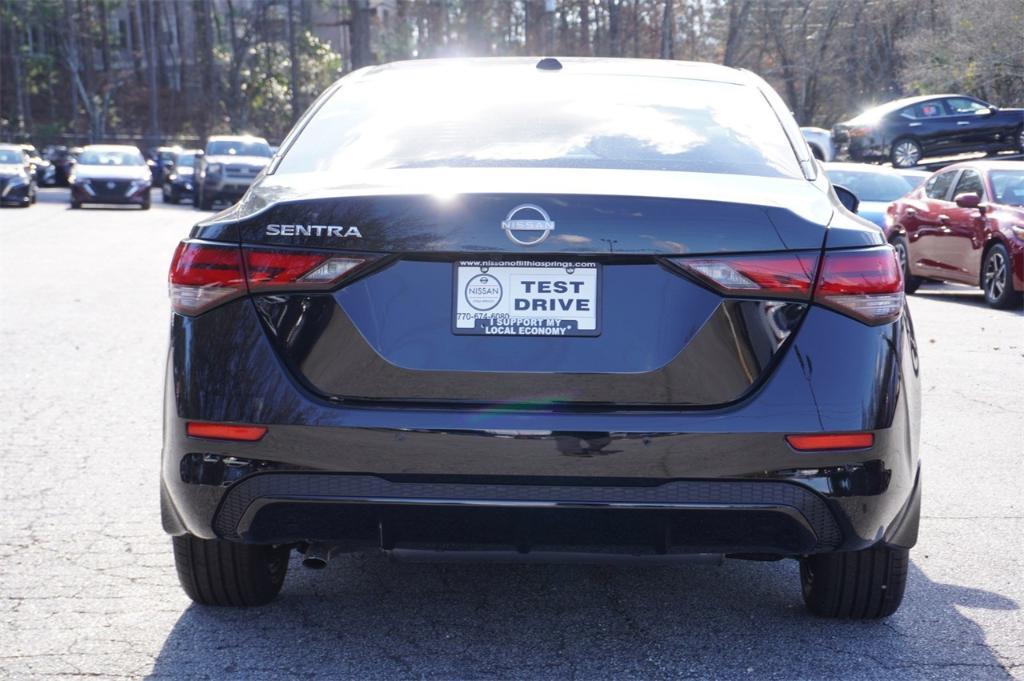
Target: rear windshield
111, 158
9, 156
870, 186
238, 148
1008, 186
537, 120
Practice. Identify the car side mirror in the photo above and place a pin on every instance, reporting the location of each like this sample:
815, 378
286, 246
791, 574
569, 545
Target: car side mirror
847, 198
968, 200
985, 112
200, 153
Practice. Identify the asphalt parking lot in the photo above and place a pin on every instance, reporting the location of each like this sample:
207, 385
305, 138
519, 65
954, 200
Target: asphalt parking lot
88, 585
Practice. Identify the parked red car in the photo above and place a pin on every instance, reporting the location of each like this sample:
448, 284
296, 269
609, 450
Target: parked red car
964, 224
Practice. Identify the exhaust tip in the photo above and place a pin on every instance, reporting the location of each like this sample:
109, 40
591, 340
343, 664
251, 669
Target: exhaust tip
317, 556
314, 563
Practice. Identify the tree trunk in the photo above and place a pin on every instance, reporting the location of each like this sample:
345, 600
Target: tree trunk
668, 31
152, 54
359, 32
293, 57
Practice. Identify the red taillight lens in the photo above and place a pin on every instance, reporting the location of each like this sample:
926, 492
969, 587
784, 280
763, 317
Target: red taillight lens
785, 275
225, 431
826, 441
277, 270
204, 275
866, 284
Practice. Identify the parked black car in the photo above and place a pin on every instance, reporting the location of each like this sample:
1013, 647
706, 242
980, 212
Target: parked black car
908, 130
160, 161
178, 182
110, 173
590, 333
227, 166
62, 161
17, 176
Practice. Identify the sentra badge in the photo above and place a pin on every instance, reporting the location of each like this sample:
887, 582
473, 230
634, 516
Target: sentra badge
314, 230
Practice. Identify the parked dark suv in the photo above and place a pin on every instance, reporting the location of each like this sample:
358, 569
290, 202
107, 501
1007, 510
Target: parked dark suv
908, 130
624, 315
226, 168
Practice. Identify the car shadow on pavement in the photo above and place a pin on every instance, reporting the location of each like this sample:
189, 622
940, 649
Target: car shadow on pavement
368, 618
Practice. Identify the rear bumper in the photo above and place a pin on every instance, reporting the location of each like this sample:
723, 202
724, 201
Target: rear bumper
701, 480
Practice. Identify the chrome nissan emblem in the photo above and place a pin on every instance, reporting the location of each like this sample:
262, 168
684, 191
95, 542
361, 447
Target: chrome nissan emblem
535, 222
111, 185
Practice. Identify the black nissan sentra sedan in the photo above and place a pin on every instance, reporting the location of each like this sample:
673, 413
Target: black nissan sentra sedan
529, 310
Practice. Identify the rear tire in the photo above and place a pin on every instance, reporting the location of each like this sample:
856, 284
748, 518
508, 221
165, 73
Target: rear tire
905, 153
223, 573
997, 279
859, 585
204, 202
910, 282
75, 205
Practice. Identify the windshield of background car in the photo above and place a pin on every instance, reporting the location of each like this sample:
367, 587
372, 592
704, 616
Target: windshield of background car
1008, 186
485, 119
8, 157
871, 186
185, 160
111, 158
237, 148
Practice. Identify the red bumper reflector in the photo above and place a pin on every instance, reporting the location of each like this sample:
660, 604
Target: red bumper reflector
806, 443
225, 431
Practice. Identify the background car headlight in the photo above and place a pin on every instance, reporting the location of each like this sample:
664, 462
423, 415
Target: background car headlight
1018, 231
214, 169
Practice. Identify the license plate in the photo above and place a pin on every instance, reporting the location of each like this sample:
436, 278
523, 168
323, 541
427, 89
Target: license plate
526, 298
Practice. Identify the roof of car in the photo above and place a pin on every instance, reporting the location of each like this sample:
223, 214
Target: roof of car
223, 138
588, 65
14, 147
110, 147
986, 164
905, 101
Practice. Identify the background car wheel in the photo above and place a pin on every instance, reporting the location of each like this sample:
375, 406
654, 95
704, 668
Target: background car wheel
906, 153
165, 194
910, 283
75, 205
204, 202
218, 572
997, 279
866, 584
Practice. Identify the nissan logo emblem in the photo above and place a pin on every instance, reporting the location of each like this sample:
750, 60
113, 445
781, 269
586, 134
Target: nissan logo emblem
529, 230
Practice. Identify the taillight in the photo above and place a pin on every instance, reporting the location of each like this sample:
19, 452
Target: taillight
781, 275
270, 270
204, 275
866, 284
